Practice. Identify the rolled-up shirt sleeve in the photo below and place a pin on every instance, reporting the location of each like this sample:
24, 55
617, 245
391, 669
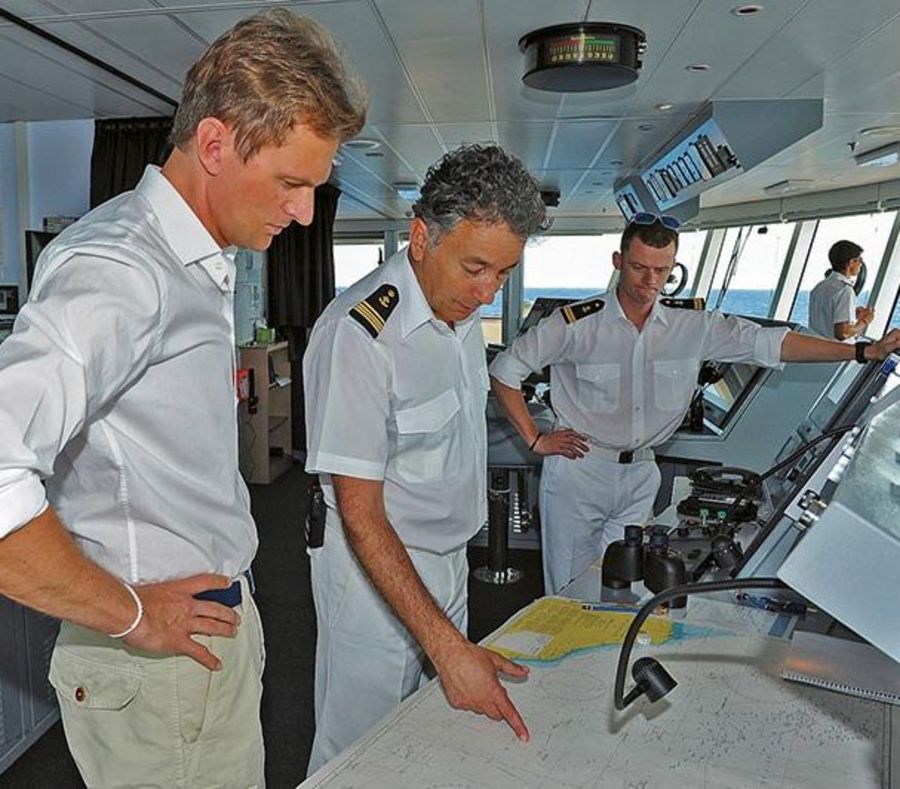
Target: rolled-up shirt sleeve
87, 333
733, 339
346, 380
544, 344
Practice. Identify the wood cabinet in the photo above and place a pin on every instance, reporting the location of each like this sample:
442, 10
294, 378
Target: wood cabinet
265, 425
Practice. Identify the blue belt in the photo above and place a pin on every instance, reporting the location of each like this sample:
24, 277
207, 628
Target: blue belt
232, 596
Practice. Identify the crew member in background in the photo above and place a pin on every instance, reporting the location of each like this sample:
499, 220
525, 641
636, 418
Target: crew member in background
117, 390
832, 303
396, 386
622, 372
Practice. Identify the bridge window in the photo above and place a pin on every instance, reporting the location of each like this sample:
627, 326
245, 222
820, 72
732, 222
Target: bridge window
354, 259
568, 267
870, 231
749, 267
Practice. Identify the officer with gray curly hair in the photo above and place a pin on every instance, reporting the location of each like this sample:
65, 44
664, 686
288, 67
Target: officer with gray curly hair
396, 386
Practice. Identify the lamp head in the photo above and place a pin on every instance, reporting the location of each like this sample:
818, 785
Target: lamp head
652, 678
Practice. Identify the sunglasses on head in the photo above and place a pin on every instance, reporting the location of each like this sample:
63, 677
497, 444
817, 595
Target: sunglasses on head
646, 218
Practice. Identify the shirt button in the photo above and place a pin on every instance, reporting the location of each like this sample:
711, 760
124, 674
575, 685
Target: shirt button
80, 694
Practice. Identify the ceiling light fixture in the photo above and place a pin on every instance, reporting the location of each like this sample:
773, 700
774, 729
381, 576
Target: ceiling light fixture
747, 10
663, 106
885, 156
879, 131
407, 191
698, 67
361, 144
582, 56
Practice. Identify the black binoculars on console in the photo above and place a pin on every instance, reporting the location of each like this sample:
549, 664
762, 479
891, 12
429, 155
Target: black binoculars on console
654, 562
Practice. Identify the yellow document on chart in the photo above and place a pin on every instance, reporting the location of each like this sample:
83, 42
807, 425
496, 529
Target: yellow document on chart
553, 627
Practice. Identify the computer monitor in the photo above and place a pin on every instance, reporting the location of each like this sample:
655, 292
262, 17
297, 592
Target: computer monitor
35, 241
542, 307
723, 399
9, 300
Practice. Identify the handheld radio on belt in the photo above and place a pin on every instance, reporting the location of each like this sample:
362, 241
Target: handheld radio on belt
315, 515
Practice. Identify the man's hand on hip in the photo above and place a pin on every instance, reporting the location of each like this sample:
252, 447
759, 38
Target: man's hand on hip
566, 442
172, 615
469, 676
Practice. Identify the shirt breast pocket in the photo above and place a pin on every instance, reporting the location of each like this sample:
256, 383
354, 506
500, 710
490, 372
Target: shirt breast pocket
599, 386
674, 383
428, 440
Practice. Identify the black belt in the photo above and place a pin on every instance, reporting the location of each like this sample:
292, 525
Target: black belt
626, 457
232, 596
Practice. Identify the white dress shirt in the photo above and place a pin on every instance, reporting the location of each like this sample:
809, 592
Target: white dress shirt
627, 389
832, 301
117, 388
406, 407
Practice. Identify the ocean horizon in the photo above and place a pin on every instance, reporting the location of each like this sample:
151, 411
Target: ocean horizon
736, 302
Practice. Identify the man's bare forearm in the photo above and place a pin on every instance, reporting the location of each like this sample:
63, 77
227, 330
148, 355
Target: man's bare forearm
513, 403
387, 563
42, 568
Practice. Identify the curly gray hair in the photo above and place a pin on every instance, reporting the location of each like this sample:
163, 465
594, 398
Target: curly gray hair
480, 183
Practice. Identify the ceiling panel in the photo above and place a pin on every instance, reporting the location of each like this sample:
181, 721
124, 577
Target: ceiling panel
442, 48
48, 71
416, 144
527, 139
156, 72
43, 9
576, 143
821, 32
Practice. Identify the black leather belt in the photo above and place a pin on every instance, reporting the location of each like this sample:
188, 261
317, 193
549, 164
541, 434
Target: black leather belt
626, 457
232, 596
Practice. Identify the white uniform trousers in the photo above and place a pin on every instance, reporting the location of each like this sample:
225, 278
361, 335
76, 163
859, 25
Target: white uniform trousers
585, 505
366, 660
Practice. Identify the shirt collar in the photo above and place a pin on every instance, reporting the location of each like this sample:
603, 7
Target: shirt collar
186, 234
415, 309
656, 314
842, 277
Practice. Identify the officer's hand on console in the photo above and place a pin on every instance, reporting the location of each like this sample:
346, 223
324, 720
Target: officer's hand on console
565, 442
171, 615
890, 343
469, 676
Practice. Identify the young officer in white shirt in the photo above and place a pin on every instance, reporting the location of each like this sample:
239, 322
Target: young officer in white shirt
396, 387
622, 372
117, 390
832, 303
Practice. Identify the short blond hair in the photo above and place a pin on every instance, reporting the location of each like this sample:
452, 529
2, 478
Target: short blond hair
266, 74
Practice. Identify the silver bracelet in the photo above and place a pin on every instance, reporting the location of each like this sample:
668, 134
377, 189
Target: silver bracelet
138, 617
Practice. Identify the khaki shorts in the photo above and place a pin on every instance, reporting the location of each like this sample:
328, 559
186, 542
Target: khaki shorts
134, 719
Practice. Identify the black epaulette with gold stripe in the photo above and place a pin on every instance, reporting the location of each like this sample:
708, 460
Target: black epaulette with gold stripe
372, 312
684, 304
575, 312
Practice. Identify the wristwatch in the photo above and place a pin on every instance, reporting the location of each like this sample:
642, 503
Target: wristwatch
860, 351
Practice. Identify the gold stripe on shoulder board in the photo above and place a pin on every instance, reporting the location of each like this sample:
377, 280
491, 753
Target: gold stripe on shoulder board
575, 312
373, 311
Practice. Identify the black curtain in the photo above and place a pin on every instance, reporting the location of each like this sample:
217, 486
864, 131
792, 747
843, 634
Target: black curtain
300, 284
122, 149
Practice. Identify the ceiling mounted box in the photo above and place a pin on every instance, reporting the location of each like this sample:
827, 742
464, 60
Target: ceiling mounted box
582, 56
724, 139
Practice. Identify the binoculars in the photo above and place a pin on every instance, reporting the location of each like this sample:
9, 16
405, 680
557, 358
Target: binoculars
654, 562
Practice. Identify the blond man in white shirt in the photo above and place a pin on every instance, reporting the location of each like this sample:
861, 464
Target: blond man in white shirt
116, 389
622, 372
